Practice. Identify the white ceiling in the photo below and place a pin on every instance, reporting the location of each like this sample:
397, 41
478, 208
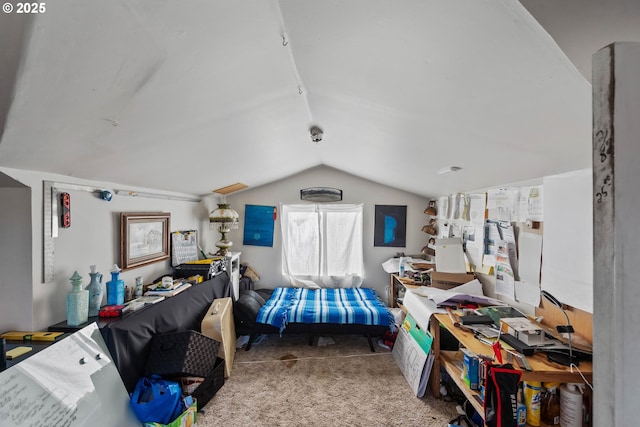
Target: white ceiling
192, 96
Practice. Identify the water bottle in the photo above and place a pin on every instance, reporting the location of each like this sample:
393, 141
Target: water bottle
570, 406
401, 267
521, 408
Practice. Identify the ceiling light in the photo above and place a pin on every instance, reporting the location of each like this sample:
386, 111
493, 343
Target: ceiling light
321, 194
449, 169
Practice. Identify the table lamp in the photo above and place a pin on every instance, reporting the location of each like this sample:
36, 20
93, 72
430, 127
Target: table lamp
558, 357
224, 219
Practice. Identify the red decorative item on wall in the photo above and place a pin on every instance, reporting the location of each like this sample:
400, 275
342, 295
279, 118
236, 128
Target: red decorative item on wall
65, 217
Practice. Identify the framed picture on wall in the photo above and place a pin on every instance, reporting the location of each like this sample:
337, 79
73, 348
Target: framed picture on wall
144, 238
258, 225
390, 228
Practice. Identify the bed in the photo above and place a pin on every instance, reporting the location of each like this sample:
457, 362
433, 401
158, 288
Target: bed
313, 312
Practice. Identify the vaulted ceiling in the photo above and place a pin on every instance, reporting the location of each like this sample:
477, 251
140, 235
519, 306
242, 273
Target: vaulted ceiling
192, 96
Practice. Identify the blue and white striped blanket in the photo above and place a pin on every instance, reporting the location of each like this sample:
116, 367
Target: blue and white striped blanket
359, 306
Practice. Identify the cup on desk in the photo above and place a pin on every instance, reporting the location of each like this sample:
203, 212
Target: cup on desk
128, 293
167, 282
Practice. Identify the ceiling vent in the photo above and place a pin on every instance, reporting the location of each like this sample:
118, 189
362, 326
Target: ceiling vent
321, 194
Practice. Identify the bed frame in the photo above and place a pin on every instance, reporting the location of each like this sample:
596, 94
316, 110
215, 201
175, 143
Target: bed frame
246, 311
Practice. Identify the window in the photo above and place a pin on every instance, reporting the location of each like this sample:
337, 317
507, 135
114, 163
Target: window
322, 245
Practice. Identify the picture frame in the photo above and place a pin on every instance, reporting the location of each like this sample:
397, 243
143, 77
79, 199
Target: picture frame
390, 227
144, 238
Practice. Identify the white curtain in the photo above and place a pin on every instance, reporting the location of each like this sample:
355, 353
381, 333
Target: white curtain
322, 245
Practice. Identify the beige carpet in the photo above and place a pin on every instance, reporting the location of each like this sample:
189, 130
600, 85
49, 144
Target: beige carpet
286, 382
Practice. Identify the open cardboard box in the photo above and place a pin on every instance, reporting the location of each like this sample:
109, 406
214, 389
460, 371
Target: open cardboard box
450, 280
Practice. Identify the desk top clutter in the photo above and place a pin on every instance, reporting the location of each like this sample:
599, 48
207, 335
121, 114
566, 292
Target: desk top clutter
490, 333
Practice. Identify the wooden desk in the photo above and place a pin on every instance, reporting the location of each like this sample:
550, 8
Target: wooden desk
542, 369
397, 287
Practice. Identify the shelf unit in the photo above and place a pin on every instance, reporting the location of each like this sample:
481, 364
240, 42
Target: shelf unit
542, 370
397, 287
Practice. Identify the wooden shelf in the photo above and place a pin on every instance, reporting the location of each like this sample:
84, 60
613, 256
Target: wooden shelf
450, 361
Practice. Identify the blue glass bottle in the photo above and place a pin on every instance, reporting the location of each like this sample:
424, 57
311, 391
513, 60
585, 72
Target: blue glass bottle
95, 291
77, 302
115, 287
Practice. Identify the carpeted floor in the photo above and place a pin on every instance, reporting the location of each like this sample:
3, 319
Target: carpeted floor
286, 382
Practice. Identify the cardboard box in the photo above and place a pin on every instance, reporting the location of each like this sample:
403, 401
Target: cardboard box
186, 419
450, 280
219, 325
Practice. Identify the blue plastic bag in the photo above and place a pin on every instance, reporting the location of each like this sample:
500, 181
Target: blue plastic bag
157, 400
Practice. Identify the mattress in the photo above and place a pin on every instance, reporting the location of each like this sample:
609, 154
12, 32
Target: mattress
352, 306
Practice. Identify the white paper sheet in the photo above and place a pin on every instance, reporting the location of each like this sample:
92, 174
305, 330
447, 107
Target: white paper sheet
528, 293
443, 207
471, 291
450, 256
567, 270
492, 236
72, 383
529, 264
502, 203
421, 308
392, 265
530, 204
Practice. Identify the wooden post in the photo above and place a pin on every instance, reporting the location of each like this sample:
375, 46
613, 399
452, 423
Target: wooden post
616, 233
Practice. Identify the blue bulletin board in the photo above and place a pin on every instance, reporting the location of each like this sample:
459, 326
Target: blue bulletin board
258, 225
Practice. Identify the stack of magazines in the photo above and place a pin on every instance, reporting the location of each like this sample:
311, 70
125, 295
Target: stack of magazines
175, 288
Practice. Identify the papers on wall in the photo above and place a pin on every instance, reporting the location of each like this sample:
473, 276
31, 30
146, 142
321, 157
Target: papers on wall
457, 206
450, 256
567, 270
473, 233
502, 203
528, 293
443, 207
505, 279
530, 203
491, 238
508, 235
528, 288
515, 204
444, 231
530, 258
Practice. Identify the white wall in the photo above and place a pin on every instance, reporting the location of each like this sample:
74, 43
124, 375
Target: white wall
94, 238
15, 257
267, 260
